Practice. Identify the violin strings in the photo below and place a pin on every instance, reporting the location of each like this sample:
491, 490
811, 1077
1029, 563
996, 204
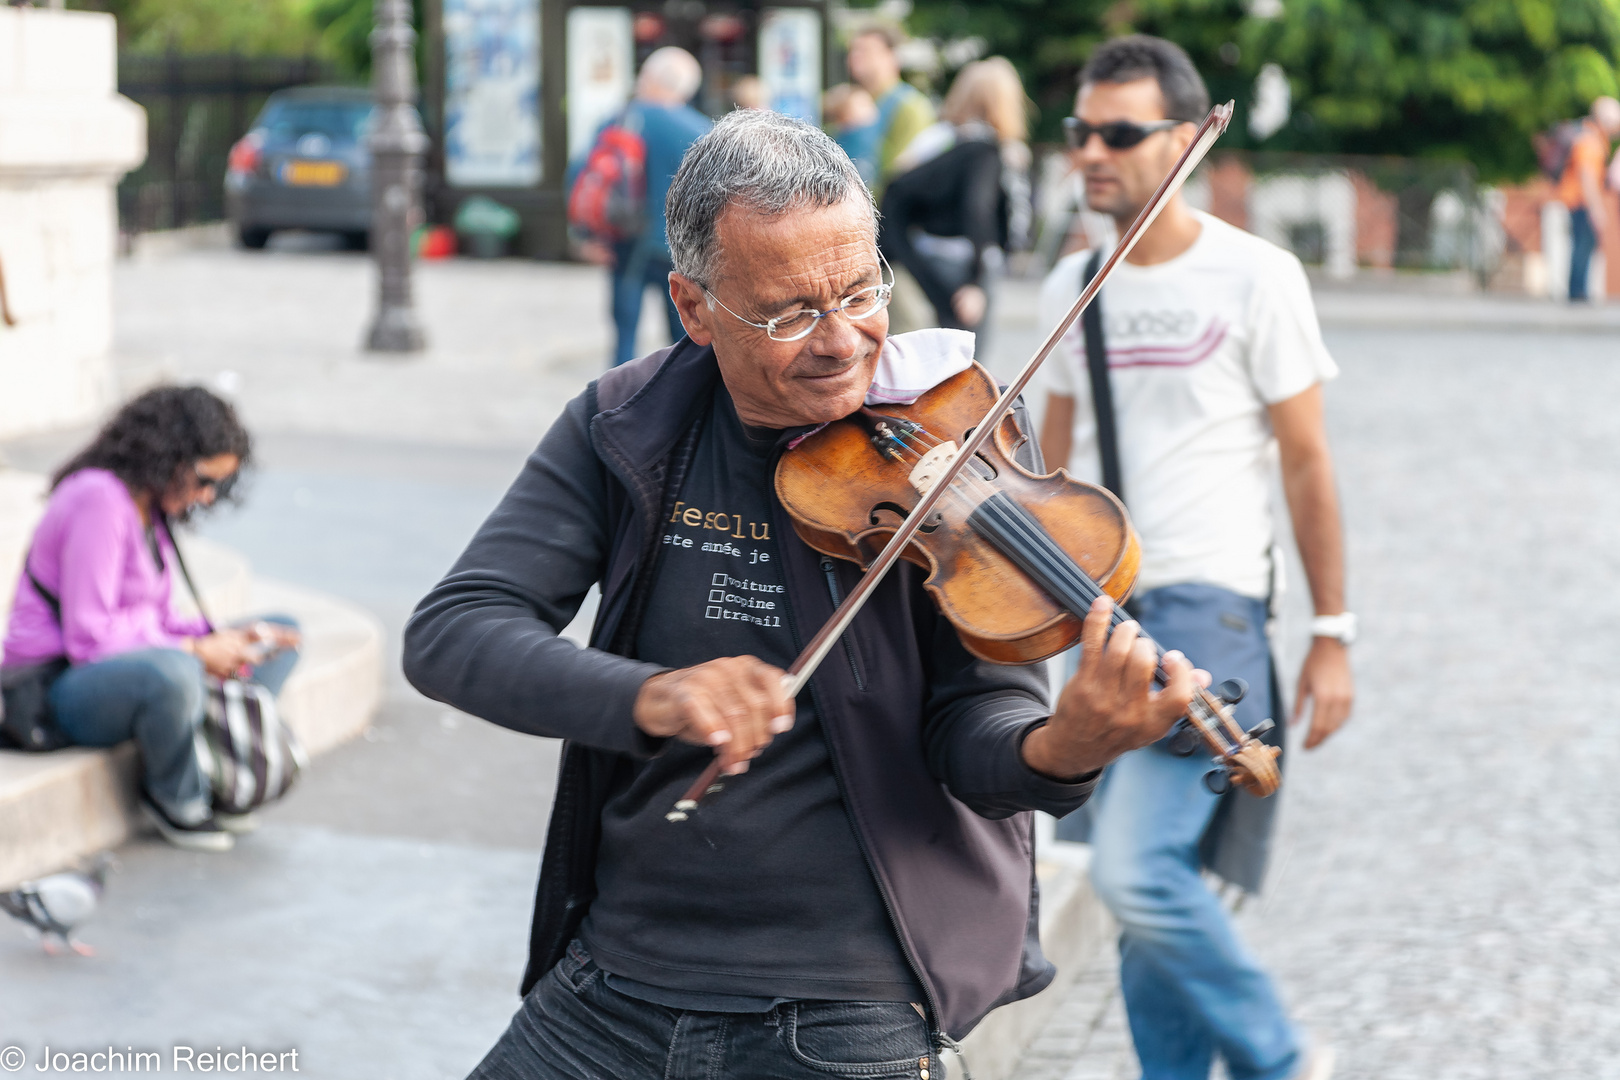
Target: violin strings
1206, 713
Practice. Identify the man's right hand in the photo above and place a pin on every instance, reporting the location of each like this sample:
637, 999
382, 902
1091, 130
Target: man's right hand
734, 704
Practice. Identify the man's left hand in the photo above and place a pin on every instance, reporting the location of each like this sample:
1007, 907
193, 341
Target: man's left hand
1110, 706
1325, 681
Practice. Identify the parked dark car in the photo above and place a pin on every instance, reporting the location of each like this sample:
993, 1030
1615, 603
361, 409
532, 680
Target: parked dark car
303, 165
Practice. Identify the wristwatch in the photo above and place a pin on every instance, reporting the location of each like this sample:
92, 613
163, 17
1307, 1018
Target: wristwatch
1341, 627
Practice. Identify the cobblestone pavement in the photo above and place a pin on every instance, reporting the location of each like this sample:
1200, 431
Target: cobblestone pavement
1442, 903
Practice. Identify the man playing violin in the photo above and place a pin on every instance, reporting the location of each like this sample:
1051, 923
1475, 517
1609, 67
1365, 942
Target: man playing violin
861, 892
1215, 364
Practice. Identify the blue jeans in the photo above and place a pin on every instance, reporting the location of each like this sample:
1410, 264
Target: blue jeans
156, 697
635, 268
1192, 989
572, 1026
1582, 243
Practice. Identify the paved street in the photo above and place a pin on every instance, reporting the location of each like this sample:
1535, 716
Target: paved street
1440, 904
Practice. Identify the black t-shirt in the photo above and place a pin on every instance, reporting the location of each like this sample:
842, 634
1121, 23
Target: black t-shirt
764, 894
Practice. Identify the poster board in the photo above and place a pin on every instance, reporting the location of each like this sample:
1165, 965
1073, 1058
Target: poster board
601, 71
790, 61
492, 93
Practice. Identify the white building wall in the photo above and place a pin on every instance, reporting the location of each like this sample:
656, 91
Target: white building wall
66, 137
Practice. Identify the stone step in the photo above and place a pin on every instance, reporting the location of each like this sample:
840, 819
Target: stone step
56, 808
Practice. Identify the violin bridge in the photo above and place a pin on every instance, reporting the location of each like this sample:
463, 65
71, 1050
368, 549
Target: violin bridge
932, 466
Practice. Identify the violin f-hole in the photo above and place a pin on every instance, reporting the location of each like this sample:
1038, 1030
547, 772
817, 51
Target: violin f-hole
934, 521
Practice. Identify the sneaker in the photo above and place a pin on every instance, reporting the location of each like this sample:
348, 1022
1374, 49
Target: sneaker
237, 824
206, 835
1318, 1064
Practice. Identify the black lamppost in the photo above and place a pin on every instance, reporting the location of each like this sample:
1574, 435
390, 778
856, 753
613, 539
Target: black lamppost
397, 143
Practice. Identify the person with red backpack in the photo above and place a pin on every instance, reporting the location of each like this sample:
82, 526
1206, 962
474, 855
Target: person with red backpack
616, 199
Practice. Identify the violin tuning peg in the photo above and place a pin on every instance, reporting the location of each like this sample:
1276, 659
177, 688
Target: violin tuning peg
1219, 781
1183, 740
1261, 728
1232, 691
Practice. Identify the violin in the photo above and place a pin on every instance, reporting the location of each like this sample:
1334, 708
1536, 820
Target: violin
1015, 560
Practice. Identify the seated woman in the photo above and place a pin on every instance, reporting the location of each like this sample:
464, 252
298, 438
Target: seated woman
95, 588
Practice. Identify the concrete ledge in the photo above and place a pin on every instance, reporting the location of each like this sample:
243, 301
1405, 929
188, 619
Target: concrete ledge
1074, 927
55, 808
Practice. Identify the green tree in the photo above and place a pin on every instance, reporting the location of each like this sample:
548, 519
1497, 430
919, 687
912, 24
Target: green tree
1456, 79
1465, 79
249, 27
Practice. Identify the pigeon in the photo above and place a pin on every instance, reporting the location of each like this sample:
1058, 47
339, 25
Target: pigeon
56, 904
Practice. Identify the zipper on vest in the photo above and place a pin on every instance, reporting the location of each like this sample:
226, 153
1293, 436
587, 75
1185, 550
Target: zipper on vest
830, 569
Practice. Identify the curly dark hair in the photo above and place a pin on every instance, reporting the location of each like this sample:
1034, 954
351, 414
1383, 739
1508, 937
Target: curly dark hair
153, 438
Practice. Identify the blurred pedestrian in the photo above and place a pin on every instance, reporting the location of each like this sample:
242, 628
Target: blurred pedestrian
92, 627
851, 118
1200, 363
903, 110
748, 92
950, 219
660, 117
1581, 189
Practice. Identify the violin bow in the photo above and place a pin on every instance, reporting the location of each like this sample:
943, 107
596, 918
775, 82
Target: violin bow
1213, 127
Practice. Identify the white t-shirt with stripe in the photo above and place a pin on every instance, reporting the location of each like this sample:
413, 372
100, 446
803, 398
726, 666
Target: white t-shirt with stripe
1198, 347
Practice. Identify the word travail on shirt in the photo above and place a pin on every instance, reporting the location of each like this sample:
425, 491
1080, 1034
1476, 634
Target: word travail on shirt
741, 593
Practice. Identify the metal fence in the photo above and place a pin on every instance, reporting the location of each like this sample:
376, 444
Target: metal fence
196, 108
1338, 213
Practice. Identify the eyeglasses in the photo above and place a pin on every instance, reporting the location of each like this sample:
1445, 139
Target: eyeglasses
220, 486
797, 325
1116, 134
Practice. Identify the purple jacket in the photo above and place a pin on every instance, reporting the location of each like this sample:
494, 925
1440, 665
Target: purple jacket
91, 550
924, 740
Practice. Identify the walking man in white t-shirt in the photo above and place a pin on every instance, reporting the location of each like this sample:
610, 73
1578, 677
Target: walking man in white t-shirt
1215, 364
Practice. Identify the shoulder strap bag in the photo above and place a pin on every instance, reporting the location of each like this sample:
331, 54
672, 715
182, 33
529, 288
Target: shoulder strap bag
1102, 387
27, 721
247, 751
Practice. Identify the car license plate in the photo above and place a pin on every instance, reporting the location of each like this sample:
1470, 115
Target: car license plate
313, 173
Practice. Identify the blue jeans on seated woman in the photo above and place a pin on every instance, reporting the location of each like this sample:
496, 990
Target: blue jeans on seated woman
156, 697
1192, 989
573, 1026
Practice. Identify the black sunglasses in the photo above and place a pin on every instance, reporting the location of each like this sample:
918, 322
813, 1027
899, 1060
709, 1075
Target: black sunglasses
221, 487
1116, 134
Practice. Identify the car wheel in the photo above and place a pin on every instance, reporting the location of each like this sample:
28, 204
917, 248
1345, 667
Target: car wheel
252, 238
358, 240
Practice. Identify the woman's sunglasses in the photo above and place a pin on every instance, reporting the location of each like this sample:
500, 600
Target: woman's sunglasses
1116, 134
221, 487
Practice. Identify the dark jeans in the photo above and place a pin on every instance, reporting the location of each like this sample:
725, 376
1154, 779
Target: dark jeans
156, 697
635, 268
1582, 243
572, 1026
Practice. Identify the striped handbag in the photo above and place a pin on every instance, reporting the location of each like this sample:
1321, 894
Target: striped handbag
249, 755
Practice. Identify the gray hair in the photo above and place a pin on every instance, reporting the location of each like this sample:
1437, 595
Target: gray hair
763, 161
